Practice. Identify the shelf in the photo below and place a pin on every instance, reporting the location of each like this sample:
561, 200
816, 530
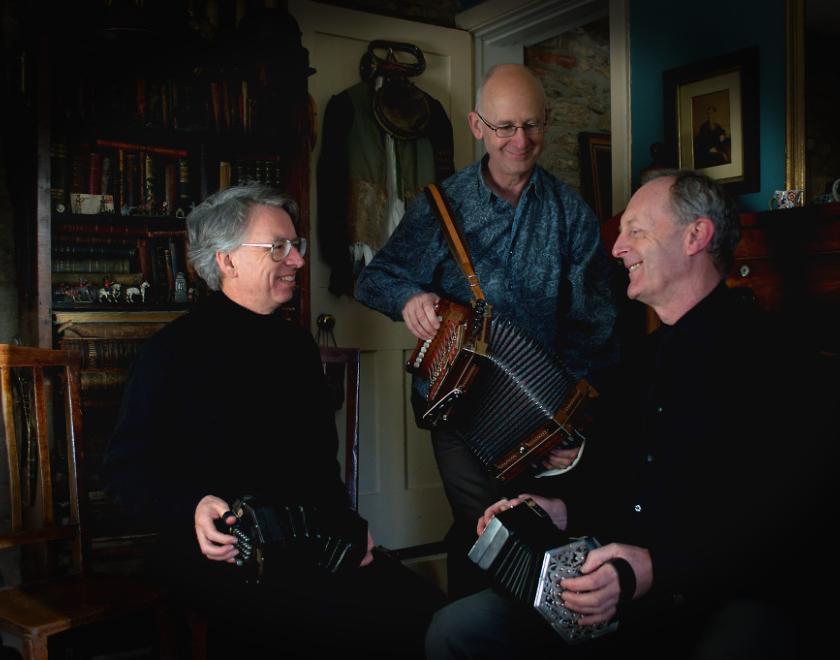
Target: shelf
132, 315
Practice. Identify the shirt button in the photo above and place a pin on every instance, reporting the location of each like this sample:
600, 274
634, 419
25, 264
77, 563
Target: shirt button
637, 508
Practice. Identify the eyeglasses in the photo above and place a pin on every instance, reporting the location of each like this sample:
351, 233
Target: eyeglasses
509, 130
282, 248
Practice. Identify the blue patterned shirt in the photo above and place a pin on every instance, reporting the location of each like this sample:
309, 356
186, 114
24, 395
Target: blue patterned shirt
541, 264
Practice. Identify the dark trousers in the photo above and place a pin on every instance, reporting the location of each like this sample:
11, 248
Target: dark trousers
379, 611
489, 626
470, 490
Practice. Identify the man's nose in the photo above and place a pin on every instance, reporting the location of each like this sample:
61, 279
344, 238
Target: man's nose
519, 138
618, 247
294, 258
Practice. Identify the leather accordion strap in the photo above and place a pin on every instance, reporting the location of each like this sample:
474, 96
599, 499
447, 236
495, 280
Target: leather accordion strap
456, 243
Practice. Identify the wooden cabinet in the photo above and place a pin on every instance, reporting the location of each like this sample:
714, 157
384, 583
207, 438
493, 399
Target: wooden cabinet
790, 260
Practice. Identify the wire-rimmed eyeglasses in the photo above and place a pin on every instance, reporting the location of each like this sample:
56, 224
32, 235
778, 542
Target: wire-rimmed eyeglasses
280, 249
509, 130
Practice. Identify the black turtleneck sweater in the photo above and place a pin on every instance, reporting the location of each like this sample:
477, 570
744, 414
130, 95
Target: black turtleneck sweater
223, 402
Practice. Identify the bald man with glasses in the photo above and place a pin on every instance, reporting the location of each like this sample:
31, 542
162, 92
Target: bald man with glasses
536, 249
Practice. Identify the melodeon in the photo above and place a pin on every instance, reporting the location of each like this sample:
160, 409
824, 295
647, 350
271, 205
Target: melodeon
526, 556
510, 399
334, 541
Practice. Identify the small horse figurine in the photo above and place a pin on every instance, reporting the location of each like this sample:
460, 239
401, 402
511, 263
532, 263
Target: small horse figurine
110, 293
133, 291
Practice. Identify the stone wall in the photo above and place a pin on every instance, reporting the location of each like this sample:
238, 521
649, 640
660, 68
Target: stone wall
575, 70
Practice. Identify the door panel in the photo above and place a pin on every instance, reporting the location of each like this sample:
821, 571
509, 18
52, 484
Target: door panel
400, 489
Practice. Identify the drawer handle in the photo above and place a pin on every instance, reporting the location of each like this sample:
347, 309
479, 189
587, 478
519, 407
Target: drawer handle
744, 270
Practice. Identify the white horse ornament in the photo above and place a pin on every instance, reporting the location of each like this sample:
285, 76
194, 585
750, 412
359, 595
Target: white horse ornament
132, 292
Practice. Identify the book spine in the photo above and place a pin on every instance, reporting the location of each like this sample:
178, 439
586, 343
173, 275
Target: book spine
91, 265
94, 173
141, 101
98, 353
144, 259
184, 197
59, 171
170, 176
128, 146
97, 228
224, 175
216, 105
149, 185
107, 379
120, 201
64, 250
82, 239
130, 180
105, 178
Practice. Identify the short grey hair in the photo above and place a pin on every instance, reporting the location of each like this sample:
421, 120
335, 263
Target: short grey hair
694, 195
220, 222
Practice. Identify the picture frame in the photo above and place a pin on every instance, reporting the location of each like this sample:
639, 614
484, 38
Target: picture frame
712, 120
596, 172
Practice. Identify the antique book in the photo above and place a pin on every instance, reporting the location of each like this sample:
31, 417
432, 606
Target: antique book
59, 165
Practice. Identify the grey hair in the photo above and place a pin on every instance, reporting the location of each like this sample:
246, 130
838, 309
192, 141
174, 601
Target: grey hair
220, 222
694, 195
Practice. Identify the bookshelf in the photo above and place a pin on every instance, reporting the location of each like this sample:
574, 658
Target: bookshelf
142, 110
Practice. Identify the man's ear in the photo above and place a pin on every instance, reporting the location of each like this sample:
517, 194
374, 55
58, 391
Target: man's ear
699, 235
225, 264
476, 125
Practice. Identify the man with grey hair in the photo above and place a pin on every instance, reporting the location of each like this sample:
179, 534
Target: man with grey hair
536, 249
687, 562
230, 400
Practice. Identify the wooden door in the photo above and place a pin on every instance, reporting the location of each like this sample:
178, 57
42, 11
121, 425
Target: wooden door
400, 490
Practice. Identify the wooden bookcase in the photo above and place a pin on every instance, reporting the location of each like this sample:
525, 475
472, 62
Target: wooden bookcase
142, 111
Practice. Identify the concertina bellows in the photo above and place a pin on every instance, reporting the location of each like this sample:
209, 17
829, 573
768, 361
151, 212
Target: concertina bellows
510, 399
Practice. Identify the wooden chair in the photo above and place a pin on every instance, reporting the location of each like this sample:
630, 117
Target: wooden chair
58, 592
349, 357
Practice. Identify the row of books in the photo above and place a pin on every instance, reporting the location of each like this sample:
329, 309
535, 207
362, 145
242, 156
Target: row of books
104, 352
140, 179
145, 179
159, 261
225, 104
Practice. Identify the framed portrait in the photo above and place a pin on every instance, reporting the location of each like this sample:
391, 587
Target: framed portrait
711, 119
596, 172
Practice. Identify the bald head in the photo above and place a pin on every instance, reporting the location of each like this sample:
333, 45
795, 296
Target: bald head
513, 79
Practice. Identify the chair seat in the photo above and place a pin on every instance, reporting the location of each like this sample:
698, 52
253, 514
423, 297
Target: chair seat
43, 609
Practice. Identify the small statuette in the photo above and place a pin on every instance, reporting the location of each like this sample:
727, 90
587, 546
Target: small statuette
180, 288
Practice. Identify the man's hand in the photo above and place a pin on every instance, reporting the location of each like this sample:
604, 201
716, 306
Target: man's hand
594, 595
368, 558
420, 316
560, 459
555, 508
214, 545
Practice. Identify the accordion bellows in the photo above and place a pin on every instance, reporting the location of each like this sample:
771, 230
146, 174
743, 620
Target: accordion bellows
510, 399
526, 556
334, 541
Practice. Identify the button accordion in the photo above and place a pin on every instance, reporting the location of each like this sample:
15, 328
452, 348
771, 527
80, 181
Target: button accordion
509, 398
333, 541
526, 556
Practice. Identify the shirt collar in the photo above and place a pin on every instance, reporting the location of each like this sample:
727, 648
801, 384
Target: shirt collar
536, 182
